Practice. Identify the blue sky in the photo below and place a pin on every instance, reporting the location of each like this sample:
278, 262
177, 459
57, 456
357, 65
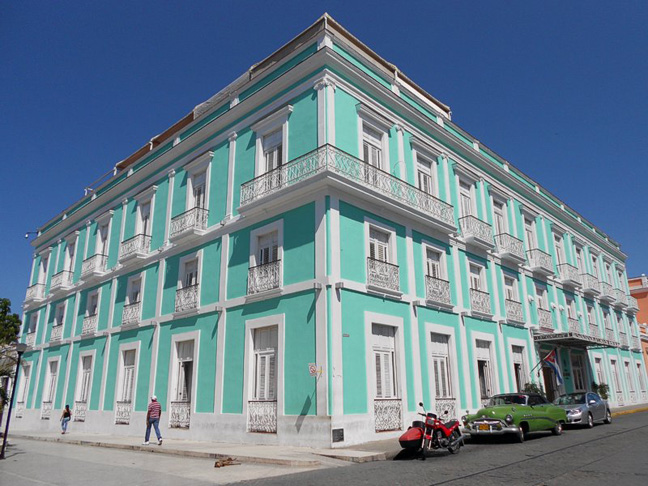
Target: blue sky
557, 88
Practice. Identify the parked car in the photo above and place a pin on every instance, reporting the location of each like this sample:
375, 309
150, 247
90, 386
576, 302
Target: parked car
515, 413
584, 408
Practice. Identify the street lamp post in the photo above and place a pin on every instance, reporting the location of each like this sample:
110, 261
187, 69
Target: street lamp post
20, 349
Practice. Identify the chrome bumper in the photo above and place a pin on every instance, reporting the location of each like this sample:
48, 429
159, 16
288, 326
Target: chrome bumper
509, 429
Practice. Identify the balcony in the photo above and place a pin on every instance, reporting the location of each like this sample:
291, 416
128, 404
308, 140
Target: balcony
382, 275
480, 302
179, 415
510, 248
344, 170
61, 281
132, 313
540, 262
35, 293
137, 247
609, 335
573, 325
94, 266
190, 223
607, 293
89, 325
80, 409
30, 339
123, 412
387, 414
57, 333
591, 284
545, 320
569, 275
477, 232
437, 291
46, 410
514, 314
623, 341
636, 343
620, 299
594, 330
262, 416
265, 277
187, 298
633, 305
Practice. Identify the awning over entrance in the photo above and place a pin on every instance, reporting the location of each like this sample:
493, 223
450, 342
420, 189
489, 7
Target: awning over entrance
572, 340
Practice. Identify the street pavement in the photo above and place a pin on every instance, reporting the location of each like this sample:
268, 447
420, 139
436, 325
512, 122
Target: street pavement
606, 454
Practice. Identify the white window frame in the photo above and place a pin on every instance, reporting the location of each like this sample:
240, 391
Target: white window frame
443, 269
70, 260
542, 295
44, 265
591, 314
145, 197
61, 305
173, 365
79, 384
96, 292
182, 268
559, 247
452, 367
248, 380
494, 376
34, 316
496, 200
275, 226
122, 369
570, 304
594, 261
129, 287
391, 243
268, 125
483, 281
48, 392
514, 288
462, 181
201, 164
628, 375
533, 230
105, 219
616, 376
580, 360
579, 257
525, 359
641, 382
422, 156
23, 391
375, 122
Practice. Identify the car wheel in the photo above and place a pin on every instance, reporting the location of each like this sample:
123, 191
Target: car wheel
590, 421
520, 434
608, 417
558, 429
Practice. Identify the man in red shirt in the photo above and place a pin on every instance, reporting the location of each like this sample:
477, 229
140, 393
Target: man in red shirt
153, 419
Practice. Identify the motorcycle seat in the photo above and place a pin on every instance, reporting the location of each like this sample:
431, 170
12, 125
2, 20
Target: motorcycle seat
449, 424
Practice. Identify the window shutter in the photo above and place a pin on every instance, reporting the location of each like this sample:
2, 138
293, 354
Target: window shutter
272, 380
262, 377
379, 381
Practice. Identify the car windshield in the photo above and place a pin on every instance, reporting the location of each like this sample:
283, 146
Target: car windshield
571, 399
507, 400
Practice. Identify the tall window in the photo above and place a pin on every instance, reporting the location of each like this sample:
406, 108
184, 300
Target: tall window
560, 250
465, 199
190, 273
519, 367
384, 355
541, 296
579, 258
510, 288
628, 373
134, 292
476, 277
265, 363
128, 375
529, 233
642, 384
145, 218
571, 307
591, 315
499, 213
184, 370
84, 379
93, 303
372, 147
272, 150
615, 375
59, 318
24, 385
433, 263
198, 185
378, 245
607, 320
424, 175
578, 372
268, 245
441, 365
33, 322
594, 265
42, 275
69, 257
608, 273
101, 247
598, 367
484, 368
50, 384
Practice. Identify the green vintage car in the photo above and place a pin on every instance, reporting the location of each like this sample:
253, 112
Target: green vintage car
515, 413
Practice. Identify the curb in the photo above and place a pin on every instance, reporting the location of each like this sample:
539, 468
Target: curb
627, 412
378, 456
177, 452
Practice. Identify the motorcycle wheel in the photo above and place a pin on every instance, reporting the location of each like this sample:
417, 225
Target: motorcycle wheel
456, 449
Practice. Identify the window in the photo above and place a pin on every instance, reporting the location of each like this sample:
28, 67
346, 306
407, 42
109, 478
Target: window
519, 367
579, 258
372, 147
384, 360
272, 142
272, 150
42, 275
541, 296
268, 248
265, 363
595, 265
198, 186
33, 322
608, 272
128, 375
184, 370
85, 374
134, 290
144, 218
476, 277
433, 263
441, 365
642, 385
578, 372
465, 199
424, 171
571, 307
190, 273
620, 278
591, 315
93, 303
378, 245
607, 320
615, 374
628, 374
69, 256
101, 247
24, 385
598, 367
499, 213
483, 354
59, 315
529, 233
510, 288
50, 383
558, 246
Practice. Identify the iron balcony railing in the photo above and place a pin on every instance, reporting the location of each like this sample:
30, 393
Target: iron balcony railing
94, 265
475, 230
383, 275
569, 274
35, 292
262, 416
607, 292
545, 319
80, 410
480, 301
573, 325
61, 280
335, 162
132, 313
594, 330
437, 290
180, 414
540, 261
57, 332
514, 311
510, 246
632, 303
138, 245
620, 298
388, 414
187, 298
30, 339
89, 324
264, 277
190, 221
590, 283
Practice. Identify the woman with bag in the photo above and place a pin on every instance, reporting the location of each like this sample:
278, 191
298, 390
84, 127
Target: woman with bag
65, 418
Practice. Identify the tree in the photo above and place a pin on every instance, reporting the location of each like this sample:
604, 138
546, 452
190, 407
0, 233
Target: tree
9, 331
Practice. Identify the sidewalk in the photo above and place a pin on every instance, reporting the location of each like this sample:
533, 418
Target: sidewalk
303, 457
641, 407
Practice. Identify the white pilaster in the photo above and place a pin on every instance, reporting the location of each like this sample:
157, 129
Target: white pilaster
321, 311
230, 174
171, 177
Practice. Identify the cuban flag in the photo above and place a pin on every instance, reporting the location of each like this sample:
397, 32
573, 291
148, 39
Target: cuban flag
552, 362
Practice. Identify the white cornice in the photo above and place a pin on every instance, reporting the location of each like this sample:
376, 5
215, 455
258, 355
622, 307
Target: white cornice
277, 118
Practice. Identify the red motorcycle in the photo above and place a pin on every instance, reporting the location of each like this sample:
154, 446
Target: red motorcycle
432, 434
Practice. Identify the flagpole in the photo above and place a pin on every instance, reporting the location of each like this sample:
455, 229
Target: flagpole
539, 363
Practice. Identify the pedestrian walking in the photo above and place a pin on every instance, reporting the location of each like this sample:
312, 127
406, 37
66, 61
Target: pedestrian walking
65, 418
153, 420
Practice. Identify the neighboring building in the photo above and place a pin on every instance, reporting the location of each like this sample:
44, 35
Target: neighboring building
309, 254
639, 291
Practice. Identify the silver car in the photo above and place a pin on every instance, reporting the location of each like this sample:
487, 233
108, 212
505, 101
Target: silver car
584, 408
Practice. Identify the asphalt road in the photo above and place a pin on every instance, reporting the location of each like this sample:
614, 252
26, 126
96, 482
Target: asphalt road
608, 454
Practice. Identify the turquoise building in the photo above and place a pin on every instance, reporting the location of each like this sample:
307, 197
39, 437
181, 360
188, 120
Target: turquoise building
305, 257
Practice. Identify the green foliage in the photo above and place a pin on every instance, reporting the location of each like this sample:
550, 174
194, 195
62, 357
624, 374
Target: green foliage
533, 388
602, 389
9, 324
